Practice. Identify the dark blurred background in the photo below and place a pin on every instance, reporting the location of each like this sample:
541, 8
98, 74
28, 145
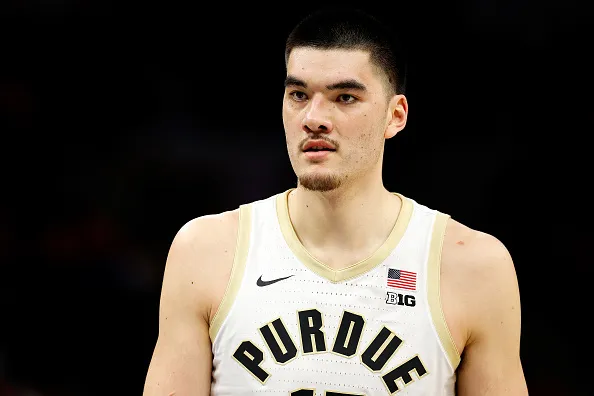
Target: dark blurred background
121, 121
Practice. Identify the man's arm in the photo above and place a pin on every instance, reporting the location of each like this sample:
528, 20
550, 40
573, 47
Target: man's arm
489, 291
182, 359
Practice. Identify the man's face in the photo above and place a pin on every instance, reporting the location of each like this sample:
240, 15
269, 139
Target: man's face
336, 112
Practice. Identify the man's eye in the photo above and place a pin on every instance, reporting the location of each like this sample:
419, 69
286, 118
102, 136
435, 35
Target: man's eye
298, 96
346, 98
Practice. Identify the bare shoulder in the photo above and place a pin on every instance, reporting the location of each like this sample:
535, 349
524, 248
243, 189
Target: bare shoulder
208, 231
474, 252
200, 259
477, 278
463, 242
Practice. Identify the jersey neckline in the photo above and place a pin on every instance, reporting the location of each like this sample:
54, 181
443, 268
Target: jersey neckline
350, 272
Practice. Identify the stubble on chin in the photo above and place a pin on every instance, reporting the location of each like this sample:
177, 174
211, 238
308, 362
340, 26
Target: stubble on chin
321, 183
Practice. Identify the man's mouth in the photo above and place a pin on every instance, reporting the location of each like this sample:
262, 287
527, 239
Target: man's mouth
317, 148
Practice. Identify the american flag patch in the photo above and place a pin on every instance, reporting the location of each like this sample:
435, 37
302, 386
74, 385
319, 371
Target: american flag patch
401, 279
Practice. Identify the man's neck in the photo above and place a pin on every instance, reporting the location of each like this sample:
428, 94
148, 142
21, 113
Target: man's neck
346, 218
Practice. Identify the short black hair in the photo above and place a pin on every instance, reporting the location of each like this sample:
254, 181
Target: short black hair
352, 29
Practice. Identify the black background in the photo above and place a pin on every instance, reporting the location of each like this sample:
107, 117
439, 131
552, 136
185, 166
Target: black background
122, 121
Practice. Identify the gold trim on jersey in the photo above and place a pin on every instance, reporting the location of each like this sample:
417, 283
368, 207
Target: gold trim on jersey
433, 290
365, 265
239, 260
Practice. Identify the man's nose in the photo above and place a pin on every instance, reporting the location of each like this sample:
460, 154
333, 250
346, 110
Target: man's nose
317, 117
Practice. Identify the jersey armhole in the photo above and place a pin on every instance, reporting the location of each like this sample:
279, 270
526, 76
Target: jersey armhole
237, 270
433, 290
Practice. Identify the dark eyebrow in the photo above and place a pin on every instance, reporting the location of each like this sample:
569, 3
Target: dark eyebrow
346, 84
290, 80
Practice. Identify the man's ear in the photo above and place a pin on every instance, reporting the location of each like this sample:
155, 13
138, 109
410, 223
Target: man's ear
397, 115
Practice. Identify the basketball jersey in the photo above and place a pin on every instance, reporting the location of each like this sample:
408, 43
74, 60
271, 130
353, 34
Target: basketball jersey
290, 325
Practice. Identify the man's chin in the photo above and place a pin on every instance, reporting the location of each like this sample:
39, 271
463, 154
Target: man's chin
318, 182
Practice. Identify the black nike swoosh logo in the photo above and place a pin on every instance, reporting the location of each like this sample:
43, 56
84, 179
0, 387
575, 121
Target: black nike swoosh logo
261, 282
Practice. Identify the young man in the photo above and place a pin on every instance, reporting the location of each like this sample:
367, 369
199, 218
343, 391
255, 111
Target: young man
338, 286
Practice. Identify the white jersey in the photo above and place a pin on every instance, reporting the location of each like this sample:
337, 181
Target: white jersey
290, 325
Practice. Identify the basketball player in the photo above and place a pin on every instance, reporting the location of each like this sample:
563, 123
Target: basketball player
338, 286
